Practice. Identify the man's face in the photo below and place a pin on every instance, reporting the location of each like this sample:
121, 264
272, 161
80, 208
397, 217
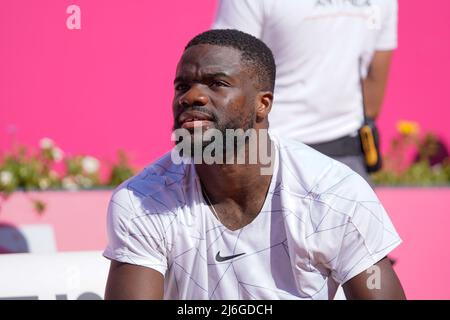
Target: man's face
213, 89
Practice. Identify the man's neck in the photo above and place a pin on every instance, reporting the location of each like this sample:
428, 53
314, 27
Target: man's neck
242, 185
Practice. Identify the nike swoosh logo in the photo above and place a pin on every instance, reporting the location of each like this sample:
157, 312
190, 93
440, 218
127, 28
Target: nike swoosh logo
219, 258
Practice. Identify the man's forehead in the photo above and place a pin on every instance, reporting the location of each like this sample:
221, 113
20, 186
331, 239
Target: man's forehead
210, 59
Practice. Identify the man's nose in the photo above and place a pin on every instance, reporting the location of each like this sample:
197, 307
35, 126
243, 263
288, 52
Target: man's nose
195, 96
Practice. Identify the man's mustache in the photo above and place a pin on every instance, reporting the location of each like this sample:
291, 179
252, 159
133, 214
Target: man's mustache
201, 109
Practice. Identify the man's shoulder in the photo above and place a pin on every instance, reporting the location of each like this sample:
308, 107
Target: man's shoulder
311, 171
158, 183
331, 191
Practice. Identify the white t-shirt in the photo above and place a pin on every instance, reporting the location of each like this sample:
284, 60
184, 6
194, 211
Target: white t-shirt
317, 45
321, 224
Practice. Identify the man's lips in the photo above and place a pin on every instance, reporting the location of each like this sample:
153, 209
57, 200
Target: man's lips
195, 123
192, 119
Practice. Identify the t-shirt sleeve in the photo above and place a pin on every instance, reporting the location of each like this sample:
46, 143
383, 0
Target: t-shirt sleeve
132, 239
243, 15
368, 237
387, 35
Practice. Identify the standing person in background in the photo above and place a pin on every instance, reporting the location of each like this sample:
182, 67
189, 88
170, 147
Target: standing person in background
325, 51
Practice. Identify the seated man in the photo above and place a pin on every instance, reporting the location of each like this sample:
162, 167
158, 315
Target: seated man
233, 229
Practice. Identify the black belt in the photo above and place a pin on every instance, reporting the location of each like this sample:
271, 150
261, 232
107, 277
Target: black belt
341, 147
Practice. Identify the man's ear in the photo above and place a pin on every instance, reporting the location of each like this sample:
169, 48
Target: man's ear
264, 105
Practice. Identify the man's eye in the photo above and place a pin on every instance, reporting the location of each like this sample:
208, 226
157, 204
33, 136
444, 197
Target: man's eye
181, 87
219, 84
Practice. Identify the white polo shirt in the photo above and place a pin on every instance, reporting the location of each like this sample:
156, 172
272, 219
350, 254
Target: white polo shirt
317, 45
321, 224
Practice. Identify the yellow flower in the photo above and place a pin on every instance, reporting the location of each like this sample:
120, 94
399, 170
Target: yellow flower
407, 127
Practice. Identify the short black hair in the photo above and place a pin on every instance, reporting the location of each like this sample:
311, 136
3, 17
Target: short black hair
254, 52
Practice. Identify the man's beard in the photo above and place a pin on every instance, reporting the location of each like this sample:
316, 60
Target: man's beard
221, 126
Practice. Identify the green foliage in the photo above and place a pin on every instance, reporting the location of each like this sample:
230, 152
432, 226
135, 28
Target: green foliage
120, 171
48, 168
418, 171
418, 174
20, 170
39, 206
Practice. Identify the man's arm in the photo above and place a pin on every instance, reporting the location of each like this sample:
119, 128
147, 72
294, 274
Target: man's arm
126, 282
379, 282
375, 82
386, 42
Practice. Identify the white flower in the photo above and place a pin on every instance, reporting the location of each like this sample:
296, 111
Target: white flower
57, 154
5, 177
85, 182
46, 143
69, 184
90, 164
44, 183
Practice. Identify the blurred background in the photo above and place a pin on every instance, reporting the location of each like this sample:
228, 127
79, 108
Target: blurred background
83, 109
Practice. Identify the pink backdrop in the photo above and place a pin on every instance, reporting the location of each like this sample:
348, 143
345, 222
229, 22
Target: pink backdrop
109, 85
